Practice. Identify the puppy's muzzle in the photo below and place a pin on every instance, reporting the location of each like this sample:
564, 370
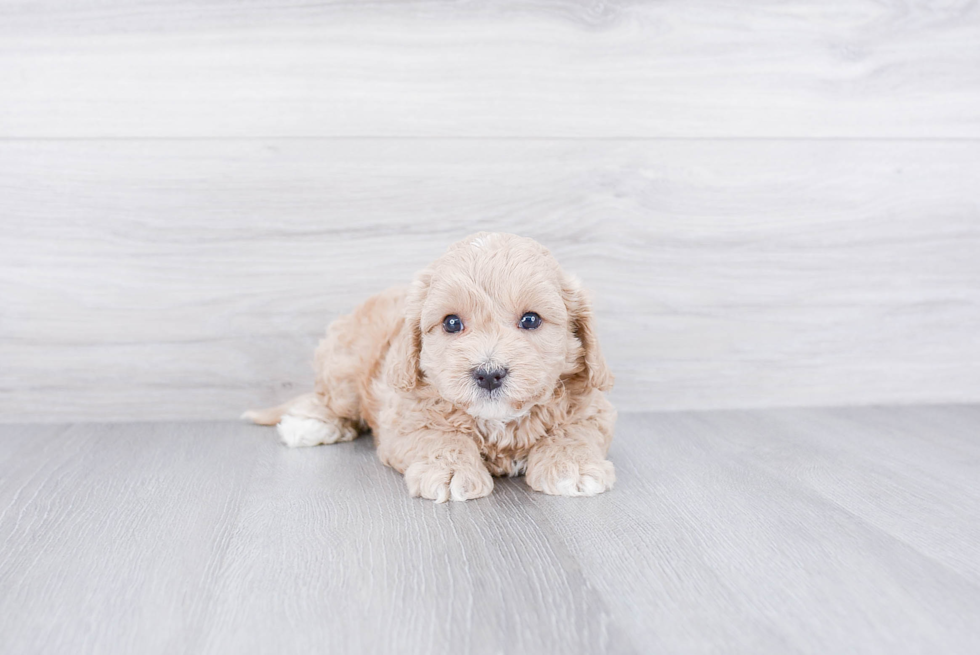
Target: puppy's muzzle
489, 379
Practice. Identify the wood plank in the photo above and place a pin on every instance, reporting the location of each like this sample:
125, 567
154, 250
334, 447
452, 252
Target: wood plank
111, 536
331, 545
529, 69
768, 531
710, 543
163, 538
191, 279
915, 477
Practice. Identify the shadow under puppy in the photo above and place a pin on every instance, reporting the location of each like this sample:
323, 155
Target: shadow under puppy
488, 364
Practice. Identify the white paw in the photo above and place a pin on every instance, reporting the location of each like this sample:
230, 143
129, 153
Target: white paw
298, 431
441, 481
574, 476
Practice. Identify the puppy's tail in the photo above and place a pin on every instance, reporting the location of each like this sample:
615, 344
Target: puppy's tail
272, 415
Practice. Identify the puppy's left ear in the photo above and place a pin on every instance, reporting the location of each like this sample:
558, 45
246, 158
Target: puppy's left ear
580, 315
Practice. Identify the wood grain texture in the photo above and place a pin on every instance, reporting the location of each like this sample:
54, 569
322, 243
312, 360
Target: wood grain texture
546, 68
777, 531
191, 279
112, 537
794, 525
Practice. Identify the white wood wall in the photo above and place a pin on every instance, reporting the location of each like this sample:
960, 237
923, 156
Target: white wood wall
775, 203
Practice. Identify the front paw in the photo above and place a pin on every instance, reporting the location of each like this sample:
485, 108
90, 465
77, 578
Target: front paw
569, 472
441, 481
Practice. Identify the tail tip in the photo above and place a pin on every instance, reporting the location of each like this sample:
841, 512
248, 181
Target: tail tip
269, 416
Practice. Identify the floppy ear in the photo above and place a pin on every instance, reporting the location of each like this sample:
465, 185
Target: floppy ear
580, 316
403, 358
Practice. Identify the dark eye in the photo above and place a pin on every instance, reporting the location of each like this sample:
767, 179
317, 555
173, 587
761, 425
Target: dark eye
530, 321
452, 324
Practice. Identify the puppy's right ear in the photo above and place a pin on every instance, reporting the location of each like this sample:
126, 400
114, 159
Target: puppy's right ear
403, 358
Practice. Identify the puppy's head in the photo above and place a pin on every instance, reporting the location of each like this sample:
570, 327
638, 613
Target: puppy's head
495, 325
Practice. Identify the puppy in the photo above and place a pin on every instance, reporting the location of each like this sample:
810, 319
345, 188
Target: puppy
488, 365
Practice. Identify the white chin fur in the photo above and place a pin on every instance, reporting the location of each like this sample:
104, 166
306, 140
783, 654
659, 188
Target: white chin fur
494, 411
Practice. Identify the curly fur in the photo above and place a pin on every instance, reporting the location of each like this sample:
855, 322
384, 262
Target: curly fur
391, 368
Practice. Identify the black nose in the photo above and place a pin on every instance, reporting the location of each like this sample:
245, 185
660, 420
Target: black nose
489, 379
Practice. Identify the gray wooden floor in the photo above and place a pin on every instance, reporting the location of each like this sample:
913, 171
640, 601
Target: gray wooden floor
819, 531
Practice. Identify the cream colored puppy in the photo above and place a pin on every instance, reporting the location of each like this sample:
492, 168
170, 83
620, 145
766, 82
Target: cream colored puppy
488, 365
